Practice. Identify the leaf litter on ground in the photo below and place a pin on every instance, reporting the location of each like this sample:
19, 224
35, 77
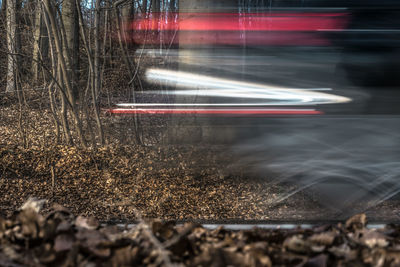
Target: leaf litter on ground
58, 238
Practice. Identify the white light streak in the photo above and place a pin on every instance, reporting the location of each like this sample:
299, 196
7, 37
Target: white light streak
206, 86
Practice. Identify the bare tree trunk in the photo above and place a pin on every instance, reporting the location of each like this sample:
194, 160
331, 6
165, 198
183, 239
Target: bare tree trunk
64, 111
130, 64
57, 78
3, 25
155, 6
126, 15
55, 71
92, 72
126, 10
71, 50
172, 5
144, 7
97, 48
36, 44
65, 77
41, 43
106, 15
12, 44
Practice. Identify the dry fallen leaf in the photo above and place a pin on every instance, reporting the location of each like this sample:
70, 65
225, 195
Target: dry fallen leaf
63, 242
317, 261
372, 238
324, 238
86, 223
296, 243
356, 222
34, 204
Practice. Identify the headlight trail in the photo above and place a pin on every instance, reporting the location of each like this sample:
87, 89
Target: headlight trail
248, 99
206, 86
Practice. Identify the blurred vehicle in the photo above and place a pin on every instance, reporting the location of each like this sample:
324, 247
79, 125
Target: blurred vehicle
349, 47
304, 89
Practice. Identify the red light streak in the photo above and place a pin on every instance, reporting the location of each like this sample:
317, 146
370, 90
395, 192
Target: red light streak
230, 111
241, 22
235, 28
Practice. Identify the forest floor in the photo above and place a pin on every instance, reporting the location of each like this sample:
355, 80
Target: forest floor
58, 238
151, 186
118, 181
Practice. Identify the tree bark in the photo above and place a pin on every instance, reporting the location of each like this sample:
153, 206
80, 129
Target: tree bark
63, 69
41, 42
126, 10
12, 44
172, 5
144, 7
126, 15
155, 6
97, 48
92, 77
129, 63
71, 49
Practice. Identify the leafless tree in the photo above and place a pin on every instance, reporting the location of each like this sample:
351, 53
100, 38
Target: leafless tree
40, 45
68, 96
64, 43
12, 44
71, 43
93, 74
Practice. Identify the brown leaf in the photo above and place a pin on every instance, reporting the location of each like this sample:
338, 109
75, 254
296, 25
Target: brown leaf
357, 222
324, 238
198, 233
256, 254
317, 249
94, 242
344, 251
46, 254
6, 261
125, 256
296, 243
163, 230
3, 226
372, 238
210, 257
64, 226
63, 242
393, 256
34, 204
102, 252
30, 221
11, 252
374, 258
317, 261
87, 223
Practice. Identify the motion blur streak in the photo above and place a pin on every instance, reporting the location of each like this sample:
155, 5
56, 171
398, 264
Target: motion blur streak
265, 28
217, 87
347, 170
216, 111
266, 21
132, 105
